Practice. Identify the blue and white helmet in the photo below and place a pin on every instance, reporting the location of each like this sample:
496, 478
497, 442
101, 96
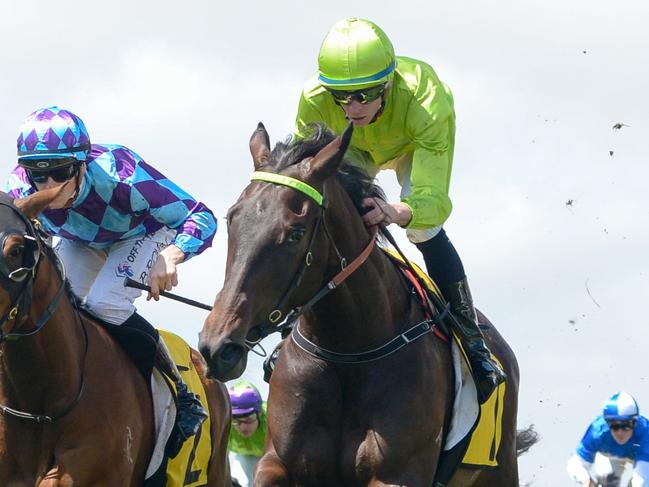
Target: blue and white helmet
621, 407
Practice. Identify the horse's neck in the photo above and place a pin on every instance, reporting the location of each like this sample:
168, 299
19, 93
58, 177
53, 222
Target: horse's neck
43, 370
372, 303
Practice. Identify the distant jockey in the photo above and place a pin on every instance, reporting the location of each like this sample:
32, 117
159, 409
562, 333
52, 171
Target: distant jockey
617, 437
246, 445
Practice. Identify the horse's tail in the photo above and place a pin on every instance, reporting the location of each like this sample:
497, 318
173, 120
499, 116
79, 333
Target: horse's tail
526, 439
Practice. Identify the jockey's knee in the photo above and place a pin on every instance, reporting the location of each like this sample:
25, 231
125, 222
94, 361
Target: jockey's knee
114, 311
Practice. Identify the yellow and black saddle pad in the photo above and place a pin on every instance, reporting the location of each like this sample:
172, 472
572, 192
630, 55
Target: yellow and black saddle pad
483, 441
189, 468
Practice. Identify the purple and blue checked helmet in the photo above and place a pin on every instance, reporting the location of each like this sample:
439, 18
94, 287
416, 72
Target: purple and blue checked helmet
52, 134
245, 399
621, 407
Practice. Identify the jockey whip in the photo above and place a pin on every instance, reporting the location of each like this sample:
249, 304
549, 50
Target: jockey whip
128, 282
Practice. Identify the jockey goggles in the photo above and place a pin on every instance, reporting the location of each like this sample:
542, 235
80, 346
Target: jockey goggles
58, 174
364, 96
249, 419
621, 425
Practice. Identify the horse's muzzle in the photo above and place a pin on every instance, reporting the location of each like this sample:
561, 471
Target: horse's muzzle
225, 362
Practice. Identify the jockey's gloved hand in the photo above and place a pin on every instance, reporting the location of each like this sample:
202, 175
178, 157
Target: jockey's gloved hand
380, 212
164, 275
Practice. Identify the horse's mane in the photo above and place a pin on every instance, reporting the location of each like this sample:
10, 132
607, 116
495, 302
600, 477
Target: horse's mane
356, 182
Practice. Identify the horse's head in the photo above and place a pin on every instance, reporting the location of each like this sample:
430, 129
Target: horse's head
277, 252
19, 256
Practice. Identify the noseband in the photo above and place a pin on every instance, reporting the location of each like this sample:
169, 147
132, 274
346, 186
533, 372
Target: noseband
276, 320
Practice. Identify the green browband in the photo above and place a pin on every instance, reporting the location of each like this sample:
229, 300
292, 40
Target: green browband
301, 186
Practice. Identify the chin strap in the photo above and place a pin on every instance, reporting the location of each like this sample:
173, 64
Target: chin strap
77, 186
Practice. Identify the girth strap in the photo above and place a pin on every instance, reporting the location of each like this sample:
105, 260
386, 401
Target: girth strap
398, 342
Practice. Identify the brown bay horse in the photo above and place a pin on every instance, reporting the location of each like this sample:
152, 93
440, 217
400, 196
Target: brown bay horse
74, 409
346, 408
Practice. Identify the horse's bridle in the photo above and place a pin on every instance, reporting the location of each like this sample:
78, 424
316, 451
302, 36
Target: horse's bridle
411, 334
36, 239
274, 321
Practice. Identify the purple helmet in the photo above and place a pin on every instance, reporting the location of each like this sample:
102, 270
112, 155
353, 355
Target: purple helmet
245, 398
51, 134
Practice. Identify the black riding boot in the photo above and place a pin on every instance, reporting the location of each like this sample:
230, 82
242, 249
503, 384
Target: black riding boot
190, 413
486, 371
445, 268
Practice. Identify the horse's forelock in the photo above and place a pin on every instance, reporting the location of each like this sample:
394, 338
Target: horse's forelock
356, 182
35, 203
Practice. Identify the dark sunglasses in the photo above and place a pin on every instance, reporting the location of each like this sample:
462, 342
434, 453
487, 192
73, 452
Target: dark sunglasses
367, 95
59, 174
621, 425
244, 420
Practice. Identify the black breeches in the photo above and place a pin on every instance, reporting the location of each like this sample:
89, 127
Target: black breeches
443, 263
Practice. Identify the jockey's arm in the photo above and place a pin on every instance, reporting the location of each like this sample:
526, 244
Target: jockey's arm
640, 474
578, 469
431, 129
429, 202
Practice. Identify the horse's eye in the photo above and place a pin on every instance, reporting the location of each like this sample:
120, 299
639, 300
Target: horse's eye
296, 235
16, 251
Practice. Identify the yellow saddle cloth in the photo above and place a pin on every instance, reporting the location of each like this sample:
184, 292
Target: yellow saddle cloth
486, 433
189, 468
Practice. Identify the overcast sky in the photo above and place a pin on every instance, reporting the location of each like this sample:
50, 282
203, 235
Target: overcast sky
550, 203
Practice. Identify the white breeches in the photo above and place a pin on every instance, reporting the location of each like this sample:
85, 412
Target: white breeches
635, 475
97, 276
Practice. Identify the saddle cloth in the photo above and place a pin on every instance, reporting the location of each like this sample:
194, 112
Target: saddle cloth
478, 428
189, 467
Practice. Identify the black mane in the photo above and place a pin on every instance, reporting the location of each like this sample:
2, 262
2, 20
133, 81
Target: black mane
355, 180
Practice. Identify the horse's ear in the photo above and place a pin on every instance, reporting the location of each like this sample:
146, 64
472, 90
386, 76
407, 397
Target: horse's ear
327, 161
31, 206
260, 146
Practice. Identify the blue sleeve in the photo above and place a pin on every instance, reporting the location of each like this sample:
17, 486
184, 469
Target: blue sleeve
643, 451
588, 446
172, 206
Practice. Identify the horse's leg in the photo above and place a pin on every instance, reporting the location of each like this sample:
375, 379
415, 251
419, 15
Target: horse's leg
271, 472
82, 474
414, 472
464, 477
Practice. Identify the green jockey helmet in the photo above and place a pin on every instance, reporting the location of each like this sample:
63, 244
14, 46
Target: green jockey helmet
355, 54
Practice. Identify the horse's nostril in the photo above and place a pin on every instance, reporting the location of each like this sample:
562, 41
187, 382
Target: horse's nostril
205, 351
231, 352
254, 335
